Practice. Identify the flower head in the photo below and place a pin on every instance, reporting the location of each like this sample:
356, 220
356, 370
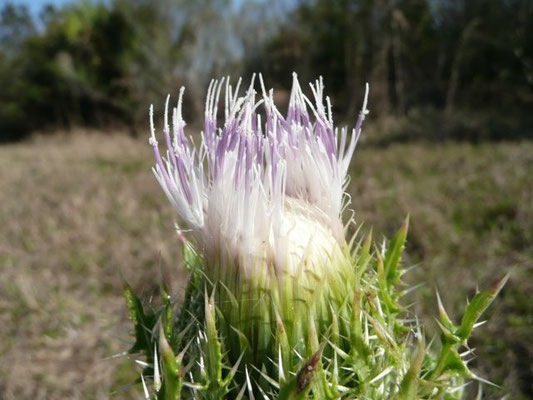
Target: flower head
262, 191
281, 304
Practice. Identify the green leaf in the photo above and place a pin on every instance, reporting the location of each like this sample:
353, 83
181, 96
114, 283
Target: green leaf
409, 385
284, 350
454, 363
444, 318
191, 258
171, 371
477, 306
233, 371
143, 323
167, 314
359, 347
214, 350
384, 286
364, 254
394, 253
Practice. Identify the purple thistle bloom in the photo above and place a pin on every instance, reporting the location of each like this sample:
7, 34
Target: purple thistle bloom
255, 192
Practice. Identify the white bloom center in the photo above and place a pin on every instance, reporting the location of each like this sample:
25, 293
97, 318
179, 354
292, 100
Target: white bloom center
301, 245
307, 242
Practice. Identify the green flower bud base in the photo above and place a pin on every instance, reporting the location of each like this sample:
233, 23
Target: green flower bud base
344, 334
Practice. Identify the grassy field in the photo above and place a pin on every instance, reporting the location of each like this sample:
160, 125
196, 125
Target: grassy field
76, 211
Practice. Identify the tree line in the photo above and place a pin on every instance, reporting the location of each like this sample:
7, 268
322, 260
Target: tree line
102, 63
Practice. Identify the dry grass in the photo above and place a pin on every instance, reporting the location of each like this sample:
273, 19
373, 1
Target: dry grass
76, 209
471, 222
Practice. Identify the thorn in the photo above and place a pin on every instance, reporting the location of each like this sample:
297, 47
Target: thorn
465, 353
145, 389
141, 364
249, 384
500, 284
478, 324
412, 288
118, 355
479, 395
281, 374
157, 377
385, 372
460, 387
480, 379
439, 304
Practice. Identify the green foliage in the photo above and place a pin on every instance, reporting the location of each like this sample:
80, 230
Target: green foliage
434, 126
74, 73
100, 63
16, 25
352, 340
443, 54
92, 64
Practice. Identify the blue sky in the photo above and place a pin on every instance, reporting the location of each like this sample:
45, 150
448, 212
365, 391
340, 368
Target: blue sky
36, 5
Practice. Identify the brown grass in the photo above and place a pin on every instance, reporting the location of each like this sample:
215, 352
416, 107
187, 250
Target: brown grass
74, 211
77, 209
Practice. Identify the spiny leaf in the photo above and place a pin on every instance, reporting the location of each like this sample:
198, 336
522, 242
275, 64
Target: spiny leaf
477, 306
394, 253
358, 344
383, 335
384, 286
244, 344
171, 371
214, 351
444, 318
454, 363
233, 371
448, 336
167, 314
284, 350
364, 254
320, 383
409, 385
143, 323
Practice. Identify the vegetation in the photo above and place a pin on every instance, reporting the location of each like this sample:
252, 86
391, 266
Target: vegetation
449, 143
96, 63
88, 207
92, 64
353, 340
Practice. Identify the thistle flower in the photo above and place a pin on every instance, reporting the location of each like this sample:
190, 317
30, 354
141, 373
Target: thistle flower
263, 196
281, 305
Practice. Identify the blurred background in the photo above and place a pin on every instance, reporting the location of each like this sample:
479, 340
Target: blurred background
448, 140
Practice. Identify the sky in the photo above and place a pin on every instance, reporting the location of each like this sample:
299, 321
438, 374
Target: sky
35, 5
